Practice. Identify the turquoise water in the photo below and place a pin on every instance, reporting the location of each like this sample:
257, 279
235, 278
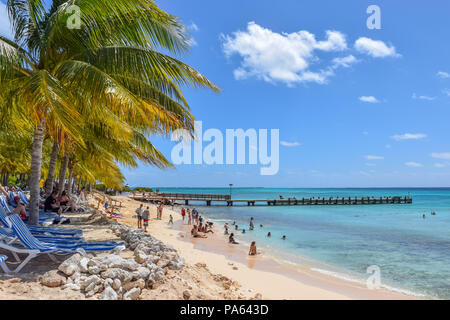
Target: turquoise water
413, 253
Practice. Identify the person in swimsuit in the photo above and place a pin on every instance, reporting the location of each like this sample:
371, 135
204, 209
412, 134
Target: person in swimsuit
252, 251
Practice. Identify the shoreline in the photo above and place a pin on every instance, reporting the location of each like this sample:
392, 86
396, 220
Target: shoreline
281, 281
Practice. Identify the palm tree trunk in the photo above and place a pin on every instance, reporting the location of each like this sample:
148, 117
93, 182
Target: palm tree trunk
36, 163
70, 182
51, 169
62, 173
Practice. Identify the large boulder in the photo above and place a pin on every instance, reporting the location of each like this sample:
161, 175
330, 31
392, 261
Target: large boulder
53, 279
70, 266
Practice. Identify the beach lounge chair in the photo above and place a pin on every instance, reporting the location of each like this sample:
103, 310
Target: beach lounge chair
45, 230
34, 247
23, 198
3, 264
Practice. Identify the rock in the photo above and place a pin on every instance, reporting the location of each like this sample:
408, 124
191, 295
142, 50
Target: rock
133, 294
113, 261
108, 282
162, 263
141, 273
94, 269
113, 273
139, 256
116, 284
83, 264
186, 294
70, 265
235, 268
130, 264
53, 279
109, 294
90, 282
15, 280
159, 275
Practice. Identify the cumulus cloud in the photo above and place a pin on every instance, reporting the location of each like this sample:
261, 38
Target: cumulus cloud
413, 164
446, 92
371, 157
441, 165
409, 136
193, 27
290, 144
283, 57
441, 155
443, 74
5, 27
414, 96
375, 48
369, 99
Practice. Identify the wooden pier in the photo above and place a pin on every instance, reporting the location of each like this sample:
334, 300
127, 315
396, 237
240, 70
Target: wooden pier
226, 199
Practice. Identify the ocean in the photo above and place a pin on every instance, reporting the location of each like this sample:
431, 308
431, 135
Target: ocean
412, 253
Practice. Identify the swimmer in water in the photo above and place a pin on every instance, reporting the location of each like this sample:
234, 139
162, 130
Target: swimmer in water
284, 238
269, 234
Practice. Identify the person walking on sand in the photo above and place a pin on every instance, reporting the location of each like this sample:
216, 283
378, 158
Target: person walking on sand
145, 217
189, 216
139, 215
160, 210
251, 224
170, 219
183, 213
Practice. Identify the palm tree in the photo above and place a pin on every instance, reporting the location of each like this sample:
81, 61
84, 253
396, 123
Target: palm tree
109, 67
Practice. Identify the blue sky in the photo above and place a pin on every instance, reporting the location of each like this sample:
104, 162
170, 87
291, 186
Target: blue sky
355, 107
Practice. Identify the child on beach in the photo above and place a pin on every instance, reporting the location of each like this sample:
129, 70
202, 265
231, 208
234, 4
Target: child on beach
145, 216
195, 234
170, 219
226, 228
231, 239
236, 227
139, 216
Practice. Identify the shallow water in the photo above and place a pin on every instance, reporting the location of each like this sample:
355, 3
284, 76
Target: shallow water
413, 253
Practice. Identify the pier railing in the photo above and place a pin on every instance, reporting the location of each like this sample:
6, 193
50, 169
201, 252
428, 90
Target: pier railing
209, 198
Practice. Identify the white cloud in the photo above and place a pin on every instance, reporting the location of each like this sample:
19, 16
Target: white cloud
441, 165
413, 164
371, 157
409, 136
290, 144
369, 99
414, 96
365, 133
443, 74
282, 57
388, 146
5, 27
193, 27
375, 48
442, 155
344, 62
446, 91
370, 164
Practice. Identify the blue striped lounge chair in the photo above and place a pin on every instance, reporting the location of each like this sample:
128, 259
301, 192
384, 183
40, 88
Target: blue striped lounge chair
3, 264
33, 247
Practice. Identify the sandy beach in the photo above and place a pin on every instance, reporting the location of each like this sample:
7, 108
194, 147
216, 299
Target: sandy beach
256, 274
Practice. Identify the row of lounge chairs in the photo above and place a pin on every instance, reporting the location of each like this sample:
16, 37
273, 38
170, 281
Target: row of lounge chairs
17, 238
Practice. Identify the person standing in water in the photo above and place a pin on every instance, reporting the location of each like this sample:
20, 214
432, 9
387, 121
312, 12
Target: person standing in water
251, 224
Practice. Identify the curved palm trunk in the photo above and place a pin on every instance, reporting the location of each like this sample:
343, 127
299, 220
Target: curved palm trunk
62, 173
51, 169
35, 177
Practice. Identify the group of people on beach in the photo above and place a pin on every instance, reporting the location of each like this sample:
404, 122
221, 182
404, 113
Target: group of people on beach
143, 215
